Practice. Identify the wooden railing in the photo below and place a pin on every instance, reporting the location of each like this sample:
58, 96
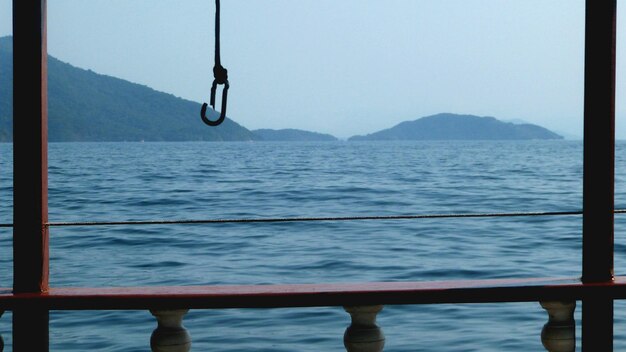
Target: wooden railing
31, 298
363, 301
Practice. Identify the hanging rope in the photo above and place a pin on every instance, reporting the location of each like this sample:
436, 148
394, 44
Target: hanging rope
220, 76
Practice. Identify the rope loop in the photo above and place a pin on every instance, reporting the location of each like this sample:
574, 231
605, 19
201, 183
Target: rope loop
220, 74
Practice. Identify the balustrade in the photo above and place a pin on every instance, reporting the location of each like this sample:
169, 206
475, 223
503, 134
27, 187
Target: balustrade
363, 334
170, 335
559, 333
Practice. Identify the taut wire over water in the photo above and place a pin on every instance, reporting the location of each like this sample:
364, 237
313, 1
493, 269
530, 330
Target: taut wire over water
311, 219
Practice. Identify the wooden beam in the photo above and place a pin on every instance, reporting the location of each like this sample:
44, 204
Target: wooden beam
314, 295
30, 175
30, 143
599, 164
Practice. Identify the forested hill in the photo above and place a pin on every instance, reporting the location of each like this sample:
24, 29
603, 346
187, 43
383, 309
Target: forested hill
86, 106
463, 127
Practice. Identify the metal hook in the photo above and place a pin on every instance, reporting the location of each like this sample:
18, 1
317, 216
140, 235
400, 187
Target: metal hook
205, 119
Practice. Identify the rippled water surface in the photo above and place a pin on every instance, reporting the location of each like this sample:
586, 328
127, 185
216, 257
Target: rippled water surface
175, 181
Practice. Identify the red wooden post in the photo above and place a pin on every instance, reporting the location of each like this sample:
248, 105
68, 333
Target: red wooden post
30, 177
598, 180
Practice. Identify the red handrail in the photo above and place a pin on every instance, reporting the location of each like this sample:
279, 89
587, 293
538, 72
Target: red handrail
314, 295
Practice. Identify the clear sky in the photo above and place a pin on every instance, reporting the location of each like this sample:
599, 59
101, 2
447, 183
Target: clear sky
343, 67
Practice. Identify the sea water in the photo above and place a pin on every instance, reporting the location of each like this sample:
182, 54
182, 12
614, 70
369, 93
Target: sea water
212, 180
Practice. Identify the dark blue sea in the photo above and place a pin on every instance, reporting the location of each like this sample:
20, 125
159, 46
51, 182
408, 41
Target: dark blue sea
204, 180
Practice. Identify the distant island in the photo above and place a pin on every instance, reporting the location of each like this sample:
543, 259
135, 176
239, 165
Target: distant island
292, 135
87, 106
446, 126
91, 107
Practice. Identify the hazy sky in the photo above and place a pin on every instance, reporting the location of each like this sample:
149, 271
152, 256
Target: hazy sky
343, 67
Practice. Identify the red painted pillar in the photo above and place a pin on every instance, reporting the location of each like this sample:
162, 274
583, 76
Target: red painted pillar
599, 164
30, 177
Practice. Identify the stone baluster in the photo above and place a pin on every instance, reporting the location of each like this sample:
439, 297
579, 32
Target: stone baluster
559, 333
170, 335
363, 335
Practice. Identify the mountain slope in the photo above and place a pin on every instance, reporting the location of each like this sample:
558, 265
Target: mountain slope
86, 106
461, 127
290, 134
